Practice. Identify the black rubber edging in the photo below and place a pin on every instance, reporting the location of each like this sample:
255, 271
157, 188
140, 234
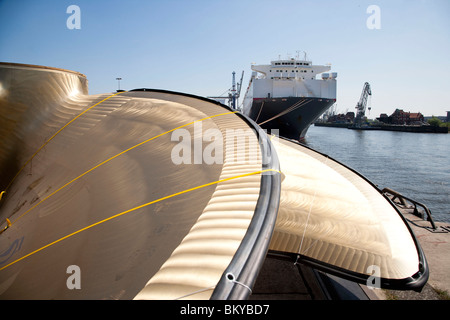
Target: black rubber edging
240, 276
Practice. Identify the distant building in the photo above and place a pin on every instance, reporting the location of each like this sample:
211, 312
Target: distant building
401, 117
342, 118
350, 116
416, 118
385, 118
448, 116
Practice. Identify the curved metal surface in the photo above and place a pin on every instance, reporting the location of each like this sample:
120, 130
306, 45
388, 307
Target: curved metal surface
91, 182
335, 220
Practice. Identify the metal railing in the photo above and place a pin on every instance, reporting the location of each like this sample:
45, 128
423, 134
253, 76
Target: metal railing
402, 200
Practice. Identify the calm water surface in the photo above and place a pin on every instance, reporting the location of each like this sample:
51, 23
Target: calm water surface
415, 164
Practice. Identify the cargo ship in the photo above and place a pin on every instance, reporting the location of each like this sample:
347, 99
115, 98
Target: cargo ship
287, 95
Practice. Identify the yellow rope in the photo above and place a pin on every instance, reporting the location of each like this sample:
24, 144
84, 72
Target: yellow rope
113, 157
134, 209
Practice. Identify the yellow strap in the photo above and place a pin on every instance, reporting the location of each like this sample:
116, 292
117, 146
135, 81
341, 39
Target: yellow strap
113, 157
134, 209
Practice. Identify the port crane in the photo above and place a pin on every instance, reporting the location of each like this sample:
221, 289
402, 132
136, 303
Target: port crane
234, 92
361, 105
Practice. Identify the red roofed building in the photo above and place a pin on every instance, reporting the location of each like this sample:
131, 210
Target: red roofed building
401, 117
416, 118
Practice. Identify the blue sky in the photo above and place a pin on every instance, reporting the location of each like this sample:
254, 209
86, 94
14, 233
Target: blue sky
194, 46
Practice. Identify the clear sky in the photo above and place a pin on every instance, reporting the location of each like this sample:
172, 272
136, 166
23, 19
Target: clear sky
194, 46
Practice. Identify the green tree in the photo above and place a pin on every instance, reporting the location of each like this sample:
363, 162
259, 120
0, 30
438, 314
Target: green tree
435, 122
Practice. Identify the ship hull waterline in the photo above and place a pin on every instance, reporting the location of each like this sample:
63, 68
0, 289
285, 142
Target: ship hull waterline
289, 117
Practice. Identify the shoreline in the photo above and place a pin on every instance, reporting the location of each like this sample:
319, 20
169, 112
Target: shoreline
401, 128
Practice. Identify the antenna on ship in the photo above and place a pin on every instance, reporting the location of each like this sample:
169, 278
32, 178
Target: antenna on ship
298, 55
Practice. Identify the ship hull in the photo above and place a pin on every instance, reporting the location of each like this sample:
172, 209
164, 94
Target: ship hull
292, 116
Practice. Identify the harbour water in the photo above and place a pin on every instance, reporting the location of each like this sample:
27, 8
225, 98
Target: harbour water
415, 164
